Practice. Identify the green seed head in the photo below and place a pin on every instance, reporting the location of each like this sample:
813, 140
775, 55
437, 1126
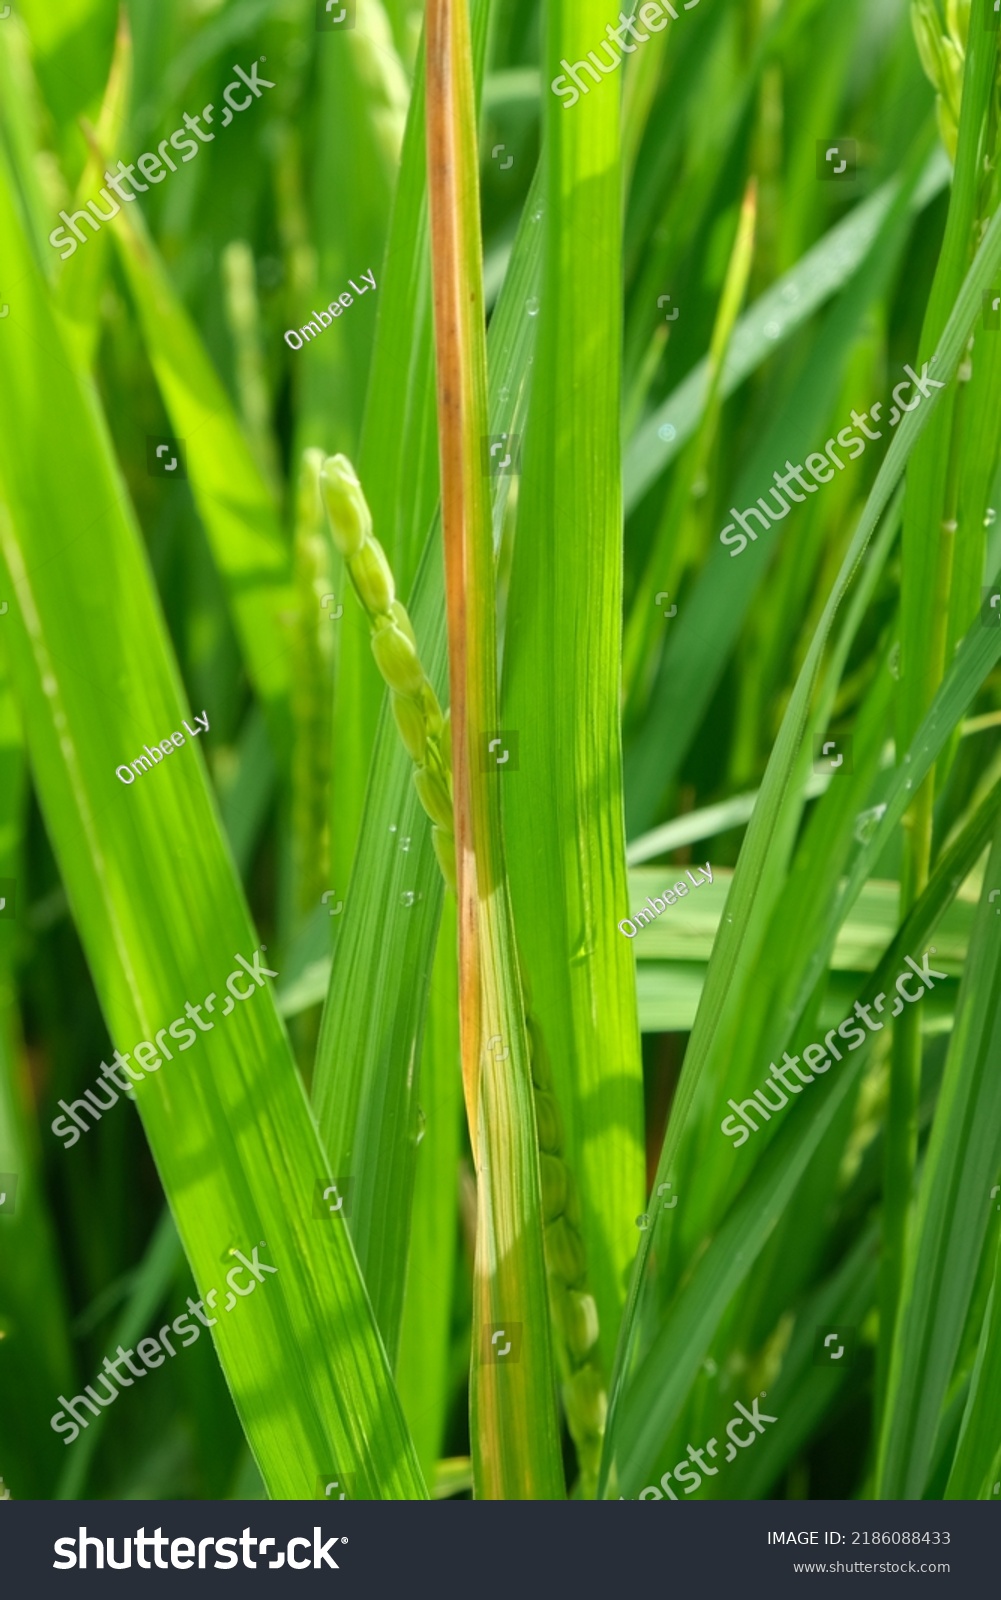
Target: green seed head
585, 1401
373, 579
444, 849
928, 37
957, 20
413, 732
547, 1117
435, 764
952, 89
435, 722
397, 660
434, 797
347, 508
542, 1075
399, 614
579, 1316
564, 1253
554, 1187
942, 57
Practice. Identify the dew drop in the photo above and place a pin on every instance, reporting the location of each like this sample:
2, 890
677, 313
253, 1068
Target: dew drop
867, 822
772, 329
894, 661
790, 293
643, 1221
421, 1126
667, 432
710, 1366
991, 517
532, 306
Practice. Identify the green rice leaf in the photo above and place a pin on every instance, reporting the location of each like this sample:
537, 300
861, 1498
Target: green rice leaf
37, 1358
96, 679
978, 1455
424, 1365
229, 488
953, 1220
563, 807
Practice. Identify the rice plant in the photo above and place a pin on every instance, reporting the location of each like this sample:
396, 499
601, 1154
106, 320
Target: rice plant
500, 749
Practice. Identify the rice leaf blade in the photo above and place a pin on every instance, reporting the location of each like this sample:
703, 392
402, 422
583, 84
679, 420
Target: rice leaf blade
95, 679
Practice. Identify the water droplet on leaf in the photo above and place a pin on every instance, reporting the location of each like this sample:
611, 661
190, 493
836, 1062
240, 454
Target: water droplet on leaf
867, 822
